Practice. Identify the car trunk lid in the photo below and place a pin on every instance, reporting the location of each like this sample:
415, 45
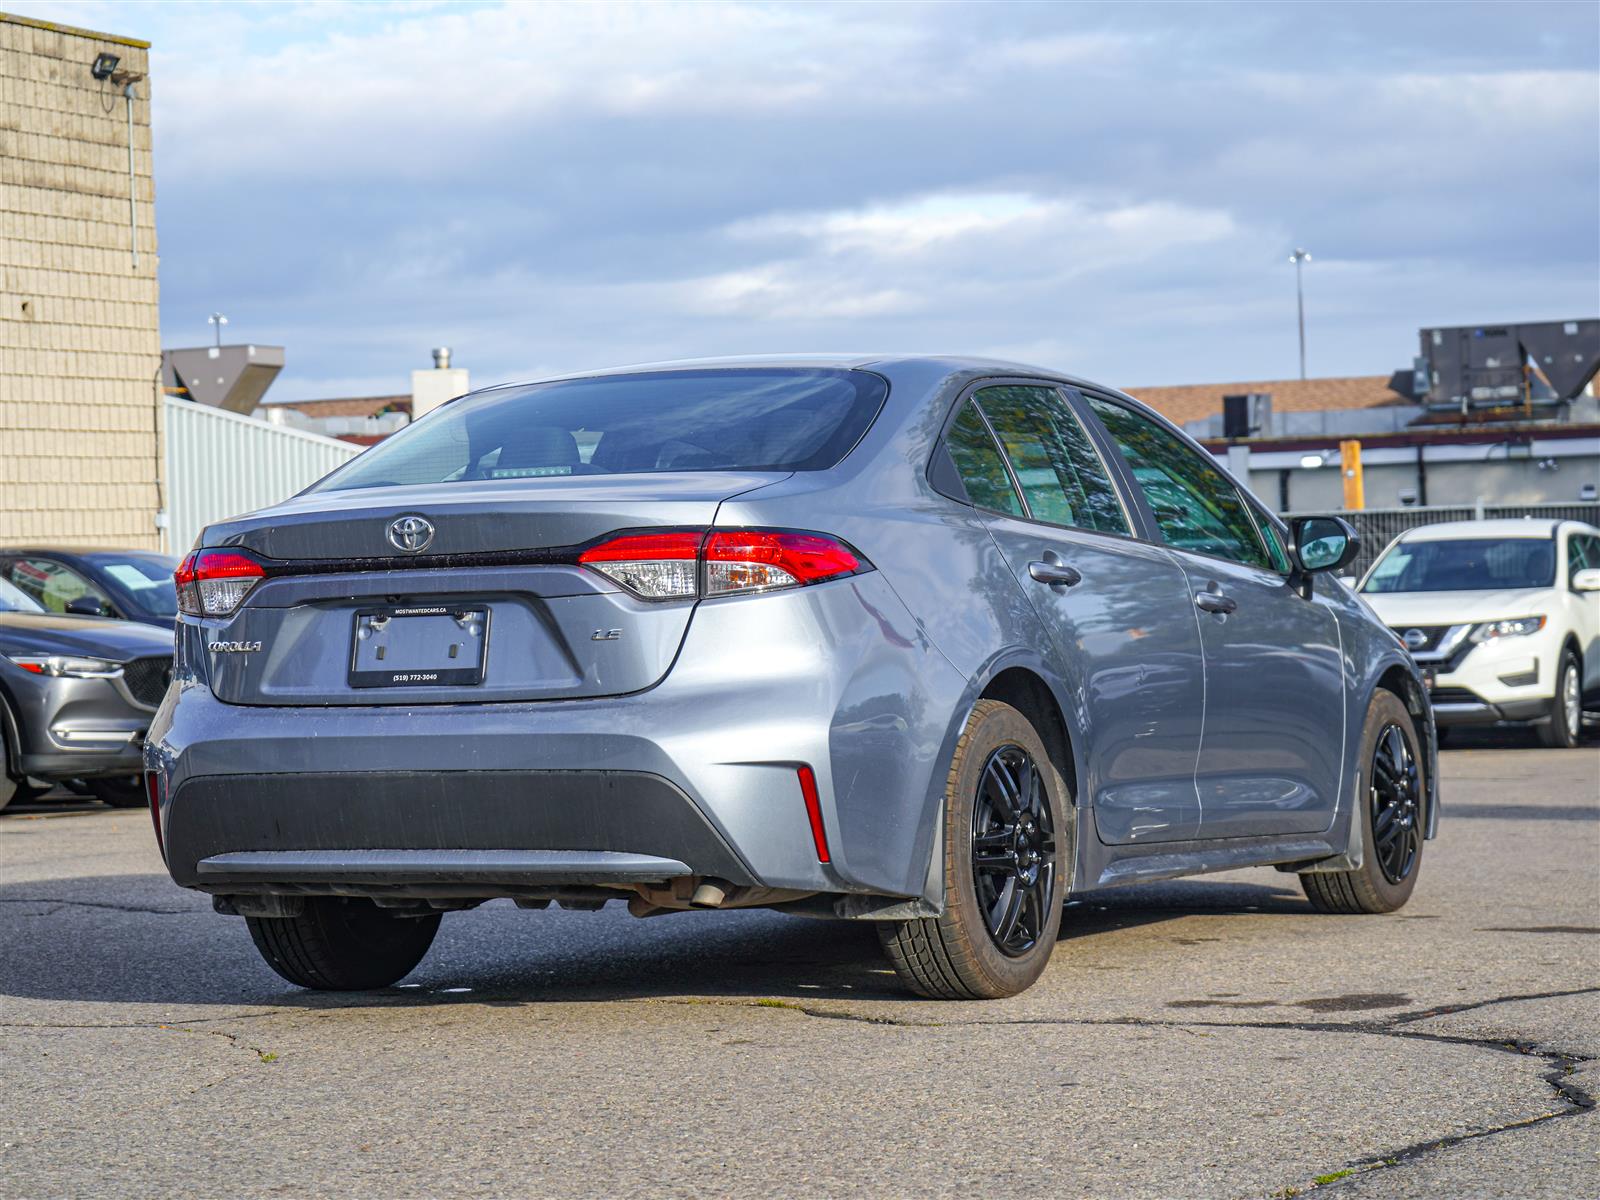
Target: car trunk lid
491, 606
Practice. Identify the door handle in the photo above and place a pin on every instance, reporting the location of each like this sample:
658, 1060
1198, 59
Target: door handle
1054, 573
1215, 602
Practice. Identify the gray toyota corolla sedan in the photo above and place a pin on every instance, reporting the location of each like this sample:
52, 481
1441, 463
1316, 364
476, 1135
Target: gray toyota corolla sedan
930, 642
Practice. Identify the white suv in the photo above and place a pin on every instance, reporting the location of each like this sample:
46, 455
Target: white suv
1503, 617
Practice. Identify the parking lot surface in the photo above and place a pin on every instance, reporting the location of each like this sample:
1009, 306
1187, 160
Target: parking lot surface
1208, 1038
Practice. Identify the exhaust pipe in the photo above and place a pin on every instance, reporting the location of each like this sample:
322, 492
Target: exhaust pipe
711, 894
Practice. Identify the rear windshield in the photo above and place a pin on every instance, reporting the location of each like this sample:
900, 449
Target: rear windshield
1465, 565
704, 420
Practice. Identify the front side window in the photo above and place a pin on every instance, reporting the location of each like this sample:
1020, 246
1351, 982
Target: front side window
1062, 477
1583, 553
1464, 565
53, 585
978, 462
718, 419
1196, 507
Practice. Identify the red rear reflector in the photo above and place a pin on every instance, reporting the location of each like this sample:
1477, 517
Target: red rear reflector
152, 791
808, 789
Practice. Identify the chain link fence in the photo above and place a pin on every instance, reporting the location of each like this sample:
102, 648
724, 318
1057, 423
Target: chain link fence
1380, 526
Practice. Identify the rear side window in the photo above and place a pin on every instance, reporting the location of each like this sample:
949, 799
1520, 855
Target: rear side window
735, 419
1063, 480
978, 462
1195, 506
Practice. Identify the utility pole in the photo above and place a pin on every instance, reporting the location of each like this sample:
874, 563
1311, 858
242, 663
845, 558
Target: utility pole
1299, 258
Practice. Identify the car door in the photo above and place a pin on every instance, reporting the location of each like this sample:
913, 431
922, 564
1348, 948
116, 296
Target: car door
1117, 610
1583, 553
1273, 748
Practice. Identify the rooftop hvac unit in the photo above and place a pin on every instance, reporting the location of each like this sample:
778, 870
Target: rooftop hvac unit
1533, 366
228, 377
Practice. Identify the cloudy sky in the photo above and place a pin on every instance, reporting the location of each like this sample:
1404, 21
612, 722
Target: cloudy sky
1111, 190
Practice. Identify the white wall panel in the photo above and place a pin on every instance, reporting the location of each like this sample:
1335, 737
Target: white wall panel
220, 465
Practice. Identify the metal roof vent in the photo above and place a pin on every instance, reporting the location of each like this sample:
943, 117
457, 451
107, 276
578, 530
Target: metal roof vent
441, 359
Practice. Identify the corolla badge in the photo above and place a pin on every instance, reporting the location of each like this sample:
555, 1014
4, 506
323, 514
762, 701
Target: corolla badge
233, 647
411, 534
1414, 639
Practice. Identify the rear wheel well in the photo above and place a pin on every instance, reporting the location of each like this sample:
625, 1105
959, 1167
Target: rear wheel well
1032, 697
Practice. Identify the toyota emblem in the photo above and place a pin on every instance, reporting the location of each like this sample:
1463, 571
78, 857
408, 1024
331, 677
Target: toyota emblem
410, 534
1414, 639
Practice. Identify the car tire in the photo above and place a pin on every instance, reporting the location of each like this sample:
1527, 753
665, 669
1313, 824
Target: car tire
992, 942
1392, 792
1564, 728
125, 792
341, 944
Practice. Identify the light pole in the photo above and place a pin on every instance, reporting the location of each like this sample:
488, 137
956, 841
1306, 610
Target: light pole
218, 320
1299, 258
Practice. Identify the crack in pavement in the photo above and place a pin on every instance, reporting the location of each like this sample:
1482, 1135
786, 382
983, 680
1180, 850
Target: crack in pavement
60, 904
1561, 1064
1575, 1100
249, 1016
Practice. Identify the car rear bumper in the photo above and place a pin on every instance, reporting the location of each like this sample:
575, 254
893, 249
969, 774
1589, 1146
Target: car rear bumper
376, 829
702, 770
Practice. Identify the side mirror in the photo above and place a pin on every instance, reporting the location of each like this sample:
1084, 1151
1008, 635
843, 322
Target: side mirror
87, 606
1323, 543
1587, 580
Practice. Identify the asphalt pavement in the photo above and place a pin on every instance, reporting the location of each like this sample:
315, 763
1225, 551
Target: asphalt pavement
1204, 1038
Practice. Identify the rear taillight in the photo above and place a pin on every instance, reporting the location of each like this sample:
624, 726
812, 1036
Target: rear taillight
657, 566
754, 560
212, 583
682, 564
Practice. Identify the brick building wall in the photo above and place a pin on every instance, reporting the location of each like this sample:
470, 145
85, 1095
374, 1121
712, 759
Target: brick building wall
80, 349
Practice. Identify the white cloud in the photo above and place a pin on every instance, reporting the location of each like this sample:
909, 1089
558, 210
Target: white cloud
1111, 188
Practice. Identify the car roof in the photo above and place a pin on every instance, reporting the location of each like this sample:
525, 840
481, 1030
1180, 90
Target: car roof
951, 363
1509, 527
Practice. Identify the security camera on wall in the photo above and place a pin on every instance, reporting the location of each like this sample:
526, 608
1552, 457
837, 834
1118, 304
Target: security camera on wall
1408, 496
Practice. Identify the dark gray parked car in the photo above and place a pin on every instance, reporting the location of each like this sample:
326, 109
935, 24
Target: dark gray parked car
76, 696
928, 642
132, 585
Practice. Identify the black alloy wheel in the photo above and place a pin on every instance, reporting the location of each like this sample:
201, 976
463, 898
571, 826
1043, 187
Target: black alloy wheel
1013, 850
1394, 794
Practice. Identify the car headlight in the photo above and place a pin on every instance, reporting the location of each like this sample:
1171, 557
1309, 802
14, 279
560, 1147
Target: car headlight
1510, 627
66, 666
